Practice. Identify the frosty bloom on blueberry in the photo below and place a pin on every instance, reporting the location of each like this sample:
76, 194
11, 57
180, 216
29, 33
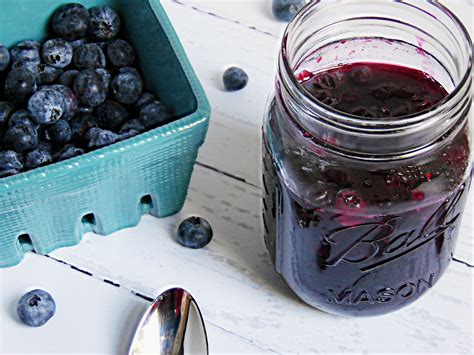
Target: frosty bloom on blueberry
195, 233
36, 308
235, 79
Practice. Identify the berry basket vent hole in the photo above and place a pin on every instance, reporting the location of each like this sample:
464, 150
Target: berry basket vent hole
88, 222
146, 204
25, 243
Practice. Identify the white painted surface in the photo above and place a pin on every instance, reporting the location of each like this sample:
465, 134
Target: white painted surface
247, 307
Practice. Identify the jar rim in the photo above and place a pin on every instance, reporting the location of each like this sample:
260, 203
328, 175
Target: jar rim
405, 120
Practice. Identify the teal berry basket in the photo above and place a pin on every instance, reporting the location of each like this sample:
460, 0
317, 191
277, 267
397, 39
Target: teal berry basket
111, 188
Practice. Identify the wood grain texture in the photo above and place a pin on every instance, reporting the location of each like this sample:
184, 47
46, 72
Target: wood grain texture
247, 307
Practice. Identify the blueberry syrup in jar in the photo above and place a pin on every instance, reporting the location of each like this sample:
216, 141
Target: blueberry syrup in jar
366, 167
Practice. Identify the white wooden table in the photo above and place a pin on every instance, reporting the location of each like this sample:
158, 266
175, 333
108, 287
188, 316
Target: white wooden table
102, 285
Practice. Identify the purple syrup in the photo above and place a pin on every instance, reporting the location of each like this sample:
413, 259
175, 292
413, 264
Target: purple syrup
363, 240
374, 90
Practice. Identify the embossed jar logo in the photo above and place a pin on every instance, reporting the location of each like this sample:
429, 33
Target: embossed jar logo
372, 245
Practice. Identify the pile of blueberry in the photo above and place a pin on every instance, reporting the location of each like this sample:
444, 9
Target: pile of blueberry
77, 92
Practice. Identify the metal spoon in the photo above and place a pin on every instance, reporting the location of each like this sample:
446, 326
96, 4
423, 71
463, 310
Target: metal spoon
172, 325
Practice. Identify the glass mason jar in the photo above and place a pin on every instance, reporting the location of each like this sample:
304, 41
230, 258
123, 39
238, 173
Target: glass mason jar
361, 214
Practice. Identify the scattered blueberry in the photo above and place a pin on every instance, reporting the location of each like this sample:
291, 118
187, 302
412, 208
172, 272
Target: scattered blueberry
90, 88
120, 53
235, 79
47, 74
6, 110
36, 308
68, 77
27, 50
20, 85
59, 133
57, 53
71, 22
21, 118
81, 124
47, 106
4, 58
99, 138
285, 10
21, 139
70, 98
105, 75
89, 56
194, 233
111, 115
10, 163
127, 87
154, 114
36, 158
70, 151
104, 23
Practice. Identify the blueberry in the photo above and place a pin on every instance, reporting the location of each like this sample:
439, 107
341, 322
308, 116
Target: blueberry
127, 87
131, 129
120, 53
81, 124
235, 79
71, 21
4, 58
71, 100
10, 163
90, 88
98, 138
68, 77
57, 53
69, 151
36, 308
85, 109
46, 146
89, 56
21, 118
27, 50
47, 106
361, 75
133, 71
111, 115
25, 64
20, 85
38, 157
145, 98
59, 133
47, 74
285, 10
21, 139
194, 233
132, 125
78, 43
6, 110
154, 114
104, 23
105, 75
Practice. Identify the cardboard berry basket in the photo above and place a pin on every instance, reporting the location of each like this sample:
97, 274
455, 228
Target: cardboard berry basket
108, 189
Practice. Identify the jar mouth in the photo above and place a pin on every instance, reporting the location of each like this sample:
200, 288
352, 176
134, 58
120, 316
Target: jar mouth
367, 125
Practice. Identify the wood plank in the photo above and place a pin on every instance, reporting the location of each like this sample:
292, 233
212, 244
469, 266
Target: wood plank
92, 317
241, 293
233, 144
